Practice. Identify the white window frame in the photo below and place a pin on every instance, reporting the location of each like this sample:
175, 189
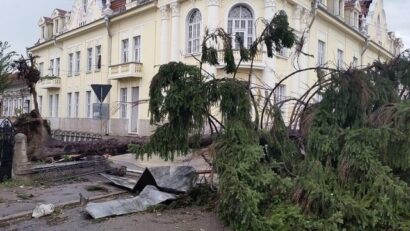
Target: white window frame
280, 93
57, 67
239, 25
125, 44
40, 103
321, 53
193, 32
56, 99
88, 104
69, 104
50, 105
51, 68
340, 58
70, 64
137, 48
123, 102
77, 62
76, 103
89, 59
355, 62
41, 69
98, 58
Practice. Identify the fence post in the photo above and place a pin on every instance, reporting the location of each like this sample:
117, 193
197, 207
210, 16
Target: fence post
20, 160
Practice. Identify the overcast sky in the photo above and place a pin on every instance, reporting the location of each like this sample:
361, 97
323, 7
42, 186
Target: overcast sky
18, 19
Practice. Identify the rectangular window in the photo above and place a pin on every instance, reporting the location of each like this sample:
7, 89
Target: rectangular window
70, 64
89, 59
69, 105
76, 102
124, 51
77, 62
51, 68
137, 49
56, 25
56, 98
40, 104
355, 62
50, 105
88, 104
43, 32
321, 51
339, 58
57, 67
123, 101
284, 52
41, 69
280, 94
98, 57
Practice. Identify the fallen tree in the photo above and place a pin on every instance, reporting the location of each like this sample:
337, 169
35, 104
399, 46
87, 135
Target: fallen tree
336, 171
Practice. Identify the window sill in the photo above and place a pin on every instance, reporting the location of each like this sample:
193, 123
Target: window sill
97, 70
69, 75
189, 55
282, 57
88, 72
77, 74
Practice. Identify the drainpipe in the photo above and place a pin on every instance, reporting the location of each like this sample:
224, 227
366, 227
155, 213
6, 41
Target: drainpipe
366, 46
55, 43
315, 6
107, 20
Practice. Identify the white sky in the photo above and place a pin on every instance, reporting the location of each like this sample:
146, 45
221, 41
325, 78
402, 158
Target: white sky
18, 23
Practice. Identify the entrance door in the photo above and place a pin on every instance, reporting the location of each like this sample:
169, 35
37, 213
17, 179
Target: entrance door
134, 109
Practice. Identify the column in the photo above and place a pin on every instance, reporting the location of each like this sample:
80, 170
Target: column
213, 24
268, 78
175, 41
164, 48
213, 14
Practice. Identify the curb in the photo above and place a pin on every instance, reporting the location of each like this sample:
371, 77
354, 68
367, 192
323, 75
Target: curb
59, 205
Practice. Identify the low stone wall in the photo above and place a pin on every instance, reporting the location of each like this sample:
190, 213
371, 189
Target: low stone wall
25, 170
116, 127
74, 136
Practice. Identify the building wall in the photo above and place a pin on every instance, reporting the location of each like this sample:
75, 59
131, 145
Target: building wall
162, 27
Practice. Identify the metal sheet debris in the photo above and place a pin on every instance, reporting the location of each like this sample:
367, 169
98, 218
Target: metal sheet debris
172, 179
124, 182
148, 197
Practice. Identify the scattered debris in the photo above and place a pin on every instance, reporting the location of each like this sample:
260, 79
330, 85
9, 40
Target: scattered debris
24, 196
83, 200
150, 196
43, 210
94, 188
172, 179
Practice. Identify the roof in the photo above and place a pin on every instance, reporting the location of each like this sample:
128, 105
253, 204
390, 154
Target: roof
118, 5
15, 80
365, 4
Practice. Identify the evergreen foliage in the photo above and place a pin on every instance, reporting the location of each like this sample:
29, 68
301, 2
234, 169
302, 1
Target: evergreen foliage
5, 65
343, 171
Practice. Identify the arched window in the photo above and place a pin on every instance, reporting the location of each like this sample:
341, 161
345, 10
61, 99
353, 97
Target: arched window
194, 32
240, 23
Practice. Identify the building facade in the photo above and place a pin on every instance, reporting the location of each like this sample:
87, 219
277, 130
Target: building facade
123, 42
16, 98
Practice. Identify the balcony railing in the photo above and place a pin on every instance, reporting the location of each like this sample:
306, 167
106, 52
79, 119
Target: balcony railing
258, 62
125, 70
50, 83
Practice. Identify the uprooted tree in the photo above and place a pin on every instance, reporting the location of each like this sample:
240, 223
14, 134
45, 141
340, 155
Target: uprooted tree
32, 124
335, 165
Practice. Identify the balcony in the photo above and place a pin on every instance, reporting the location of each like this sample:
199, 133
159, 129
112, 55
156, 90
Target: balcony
258, 62
125, 70
50, 83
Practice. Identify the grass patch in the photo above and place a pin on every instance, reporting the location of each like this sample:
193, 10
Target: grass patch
96, 188
9, 183
24, 195
55, 218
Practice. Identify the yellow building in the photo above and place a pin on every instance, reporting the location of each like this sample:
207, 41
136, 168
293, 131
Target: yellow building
123, 42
